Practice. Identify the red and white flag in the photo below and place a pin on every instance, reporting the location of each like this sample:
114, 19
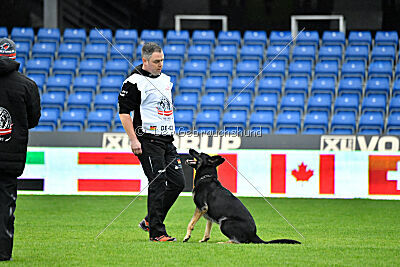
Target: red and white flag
303, 175
384, 175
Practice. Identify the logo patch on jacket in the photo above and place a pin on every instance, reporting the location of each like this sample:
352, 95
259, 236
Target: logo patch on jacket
164, 107
5, 125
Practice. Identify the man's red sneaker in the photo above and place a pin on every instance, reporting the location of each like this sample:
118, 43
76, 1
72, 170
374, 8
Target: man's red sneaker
144, 225
163, 238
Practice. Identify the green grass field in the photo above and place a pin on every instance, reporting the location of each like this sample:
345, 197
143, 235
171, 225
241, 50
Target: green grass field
61, 230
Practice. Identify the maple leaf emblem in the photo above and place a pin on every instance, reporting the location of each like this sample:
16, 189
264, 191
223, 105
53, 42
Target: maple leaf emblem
302, 174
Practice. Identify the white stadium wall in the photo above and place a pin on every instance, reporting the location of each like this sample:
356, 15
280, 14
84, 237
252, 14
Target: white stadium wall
275, 173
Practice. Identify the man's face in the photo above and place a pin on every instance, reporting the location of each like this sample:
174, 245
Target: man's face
155, 64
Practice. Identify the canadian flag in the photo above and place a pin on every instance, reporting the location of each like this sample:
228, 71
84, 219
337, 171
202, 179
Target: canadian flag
303, 175
384, 175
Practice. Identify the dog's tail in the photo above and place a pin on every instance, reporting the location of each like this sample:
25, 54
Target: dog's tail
258, 240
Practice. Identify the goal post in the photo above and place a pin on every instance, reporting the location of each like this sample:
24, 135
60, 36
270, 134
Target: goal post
296, 18
179, 18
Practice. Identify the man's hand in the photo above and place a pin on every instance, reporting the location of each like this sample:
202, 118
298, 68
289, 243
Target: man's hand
136, 147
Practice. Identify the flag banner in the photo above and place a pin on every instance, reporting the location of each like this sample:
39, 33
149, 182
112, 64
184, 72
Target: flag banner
108, 185
384, 175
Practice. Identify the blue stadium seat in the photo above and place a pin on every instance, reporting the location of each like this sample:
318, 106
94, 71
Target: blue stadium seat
156, 36
314, 131
238, 101
304, 52
3, 32
123, 50
243, 84
278, 52
252, 52
117, 66
342, 131
297, 85
330, 52
48, 35
378, 85
67, 50
212, 101
393, 122
126, 36
381, 68
300, 68
139, 52
100, 36
199, 51
53, 100
280, 37
248, 68
394, 105
195, 67
65, 66
221, 68
111, 83
96, 51
308, 37
327, 68
270, 85
367, 131
59, 82
292, 102
225, 52
100, 118
235, 118
256, 130
44, 50
186, 101
92, 66
287, 130
353, 68
288, 119
333, 38
39, 79
85, 83
82, 100
69, 128
191, 83
203, 37
360, 37
174, 51
266, 102
43, 128
97, 128
217, 84
74, 36
136, 63
347, 102
255, 38
316, 120
274, 68
49, 116
323, 85
371, 121
263, 118
386, 38
320, 102
376, 103
22, 34
352, 85
106, 100
397, 71
117, 120
208, 118
178, 37
21, 61
172, 67
357, 52
73, 118
206, 130
229, 37
184, 118
23, 49
383, 52
343, 121
38, 66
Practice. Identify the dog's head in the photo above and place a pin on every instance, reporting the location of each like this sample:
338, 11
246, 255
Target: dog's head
202, 160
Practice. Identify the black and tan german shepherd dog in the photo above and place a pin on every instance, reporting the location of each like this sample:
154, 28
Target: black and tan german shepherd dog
218, 205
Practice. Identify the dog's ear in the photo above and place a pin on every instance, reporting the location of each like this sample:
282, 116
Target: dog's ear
194, 153
216, 160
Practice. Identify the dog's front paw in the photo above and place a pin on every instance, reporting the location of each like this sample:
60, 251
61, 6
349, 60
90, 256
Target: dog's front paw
204, 240
186, 238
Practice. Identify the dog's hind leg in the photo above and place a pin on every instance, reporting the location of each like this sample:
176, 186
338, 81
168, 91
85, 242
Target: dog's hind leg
196, 217
207, 232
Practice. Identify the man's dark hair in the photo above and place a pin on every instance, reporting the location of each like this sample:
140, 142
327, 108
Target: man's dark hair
149, 48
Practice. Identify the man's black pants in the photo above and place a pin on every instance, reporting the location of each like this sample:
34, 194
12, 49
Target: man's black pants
8, 197
166, 182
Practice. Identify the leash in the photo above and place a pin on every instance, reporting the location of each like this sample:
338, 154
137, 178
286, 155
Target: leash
272, 206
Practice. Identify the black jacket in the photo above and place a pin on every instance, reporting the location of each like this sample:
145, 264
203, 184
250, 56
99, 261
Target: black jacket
19, 111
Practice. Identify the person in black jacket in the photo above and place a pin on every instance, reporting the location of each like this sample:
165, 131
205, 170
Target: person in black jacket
19, 111
147, 92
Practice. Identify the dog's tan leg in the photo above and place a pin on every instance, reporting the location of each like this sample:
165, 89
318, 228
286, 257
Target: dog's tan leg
196, 217
207, 232
228, 242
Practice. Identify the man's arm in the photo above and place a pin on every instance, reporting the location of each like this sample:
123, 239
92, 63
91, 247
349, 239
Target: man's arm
33, 105
126, 121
